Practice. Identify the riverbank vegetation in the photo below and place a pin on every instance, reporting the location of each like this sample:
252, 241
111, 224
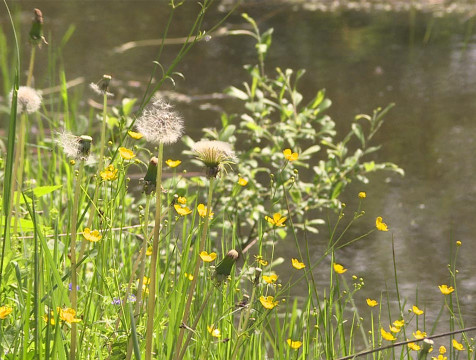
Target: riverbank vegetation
182, 263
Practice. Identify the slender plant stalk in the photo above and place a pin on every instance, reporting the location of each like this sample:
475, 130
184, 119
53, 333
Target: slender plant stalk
73, 296
195, 272
244, 325
155, 254
138, 304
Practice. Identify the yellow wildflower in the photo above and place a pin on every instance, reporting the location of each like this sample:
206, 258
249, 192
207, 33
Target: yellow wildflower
182, 211
362, 194
270, 279
442, 350
202, 211
371, 302
458, 243
208, 257
419, 334
416, 310
297, 264
268, 302
445, 289
126, 154
458, 346
338, 268
289, 155
5, 311
381, 225
68, 315
394, 329
109, 173
182, 200
173, 163
135, 135
277, 220
294, 344
242, 182
414, 347
386, 335
399, 323
93, 236
260, 260
440, 357
214, 332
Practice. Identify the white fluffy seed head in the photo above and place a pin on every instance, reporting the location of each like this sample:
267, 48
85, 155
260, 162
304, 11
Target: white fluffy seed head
74, 146
214, 154
29, 100
160, 123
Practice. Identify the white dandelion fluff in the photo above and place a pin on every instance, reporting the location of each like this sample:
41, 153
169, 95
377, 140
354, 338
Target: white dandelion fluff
75, 147
214, 154
102, 87
160, 123
28, 99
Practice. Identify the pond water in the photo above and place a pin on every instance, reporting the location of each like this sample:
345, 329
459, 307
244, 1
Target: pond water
424, 63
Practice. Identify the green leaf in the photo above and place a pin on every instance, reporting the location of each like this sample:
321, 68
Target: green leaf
310, 150
42, 190
357, 129
127, 105
237, 93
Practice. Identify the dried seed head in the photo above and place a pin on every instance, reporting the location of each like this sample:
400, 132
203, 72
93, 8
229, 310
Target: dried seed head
76, 147
150, 179
102, 86
36, 31
28, 99
214, 154
160, 123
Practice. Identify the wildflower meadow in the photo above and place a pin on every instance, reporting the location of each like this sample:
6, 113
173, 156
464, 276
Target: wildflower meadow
115, 246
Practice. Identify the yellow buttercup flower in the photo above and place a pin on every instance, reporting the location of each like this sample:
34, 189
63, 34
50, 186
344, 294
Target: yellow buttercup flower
419, 334
297, 264
399, 323
135, 135
338, 268
294, 344
145, 280
93, 236
214, 332
416, 310
414, 347
371, 302
440, 357
260, 260
445, 289
182, 200
126, 154
289, 155
202, 211
109, 173
242, 182
458, 243
148, 252
458, 346
188, 276
394, 329
173, 163
270, 279
276, 220
49, 318
442, 350
68, 315
362, 194
268, 302
182, 211
208, 257
381, 225
5, 311
386, 335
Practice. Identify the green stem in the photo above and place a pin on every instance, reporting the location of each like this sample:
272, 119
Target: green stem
155, 254
73, 296
196, 270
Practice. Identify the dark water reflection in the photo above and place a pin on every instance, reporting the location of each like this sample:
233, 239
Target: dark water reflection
364, 60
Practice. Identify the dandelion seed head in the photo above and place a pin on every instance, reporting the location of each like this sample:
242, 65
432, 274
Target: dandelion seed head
95, 87
160, 123
214, 154
76, 147
29, 100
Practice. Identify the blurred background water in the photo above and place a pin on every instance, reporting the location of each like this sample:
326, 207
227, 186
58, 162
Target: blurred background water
422, 58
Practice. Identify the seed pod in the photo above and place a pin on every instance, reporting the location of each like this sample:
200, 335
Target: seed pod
36, 31
223, 269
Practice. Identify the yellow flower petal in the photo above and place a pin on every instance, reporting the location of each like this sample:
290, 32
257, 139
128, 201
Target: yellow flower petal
445, 289
268, 302
386, 335
276, 220
68, 315
173, 163
419, 334
381, 225
135, 135
458, 346
338, 268
109, 173
5, 311
126, 154
214, 332
294, 344
242, 182
208, 257
297, 264
289, 155
416, 310
182, 200
182, 211
399, 323
371, 302
362, 195
270, 279
202, 211
93, 236
414, 347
